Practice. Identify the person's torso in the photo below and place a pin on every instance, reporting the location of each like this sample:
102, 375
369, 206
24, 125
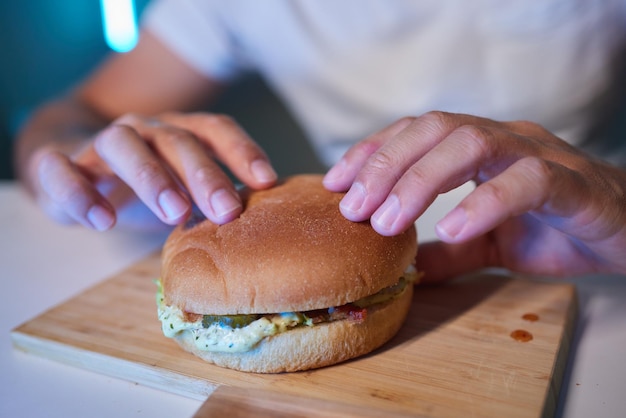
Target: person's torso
348, 68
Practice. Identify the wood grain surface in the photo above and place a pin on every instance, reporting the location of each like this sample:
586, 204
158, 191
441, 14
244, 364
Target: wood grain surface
482, 346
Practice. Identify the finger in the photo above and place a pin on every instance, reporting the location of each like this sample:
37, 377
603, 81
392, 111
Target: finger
130, 158
231, 145
531, 184
384, 168
469, 152
209, 186
379, 172
341, 176
450, 163
71, 193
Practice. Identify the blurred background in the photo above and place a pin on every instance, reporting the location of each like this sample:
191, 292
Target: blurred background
51, 44
48, 45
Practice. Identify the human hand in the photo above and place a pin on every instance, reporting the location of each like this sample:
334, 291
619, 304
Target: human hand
165, 162
540, 206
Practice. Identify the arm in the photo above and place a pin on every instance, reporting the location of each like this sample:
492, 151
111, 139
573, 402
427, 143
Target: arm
540, 205
90, 156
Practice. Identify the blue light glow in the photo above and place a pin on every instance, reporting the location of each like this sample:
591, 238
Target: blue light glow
120, 24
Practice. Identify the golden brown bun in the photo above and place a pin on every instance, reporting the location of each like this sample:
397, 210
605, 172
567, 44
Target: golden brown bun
313, 347
290, 250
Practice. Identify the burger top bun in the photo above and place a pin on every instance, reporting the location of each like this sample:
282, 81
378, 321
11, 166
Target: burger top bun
290, 250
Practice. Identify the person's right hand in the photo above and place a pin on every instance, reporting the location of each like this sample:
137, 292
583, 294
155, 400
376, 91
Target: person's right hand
165, 162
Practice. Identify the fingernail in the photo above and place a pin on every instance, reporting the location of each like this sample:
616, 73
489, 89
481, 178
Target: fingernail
387, 214
100, 218
353, 200
263, 171
224, 203
452, 224
173, 205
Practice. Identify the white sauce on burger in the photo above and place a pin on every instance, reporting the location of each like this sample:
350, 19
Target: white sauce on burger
218, 337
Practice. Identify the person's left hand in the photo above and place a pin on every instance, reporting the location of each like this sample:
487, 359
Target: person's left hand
540, 205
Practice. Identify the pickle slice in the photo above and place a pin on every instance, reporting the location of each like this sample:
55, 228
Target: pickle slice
232, 321
383, 295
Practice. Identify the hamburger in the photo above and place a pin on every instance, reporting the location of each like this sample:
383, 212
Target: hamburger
289, 285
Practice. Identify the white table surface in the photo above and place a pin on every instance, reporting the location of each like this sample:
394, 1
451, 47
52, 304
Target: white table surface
35, 275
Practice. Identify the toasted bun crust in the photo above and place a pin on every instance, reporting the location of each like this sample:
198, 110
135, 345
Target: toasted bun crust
313, 347
290, 250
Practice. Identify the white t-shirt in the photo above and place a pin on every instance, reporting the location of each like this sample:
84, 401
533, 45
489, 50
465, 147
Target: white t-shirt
347, 68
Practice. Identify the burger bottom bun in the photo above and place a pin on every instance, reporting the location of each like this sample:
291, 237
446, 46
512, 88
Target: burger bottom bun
313, 347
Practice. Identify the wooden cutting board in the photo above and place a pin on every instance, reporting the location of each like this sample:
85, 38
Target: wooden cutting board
465, 350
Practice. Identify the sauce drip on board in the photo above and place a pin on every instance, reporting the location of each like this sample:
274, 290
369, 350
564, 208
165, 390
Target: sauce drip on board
531, 317
521, 335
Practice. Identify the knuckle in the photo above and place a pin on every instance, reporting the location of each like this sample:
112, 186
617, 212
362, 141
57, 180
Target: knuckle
71, 194
148, 172
53, 172
245, 147
532, 182
406, 120
205, 174
47, 160
367, 148
493, 195
384, 160
437, 118
538, 171
175, 136
109, 139
418, 176
217, 120
475, 140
